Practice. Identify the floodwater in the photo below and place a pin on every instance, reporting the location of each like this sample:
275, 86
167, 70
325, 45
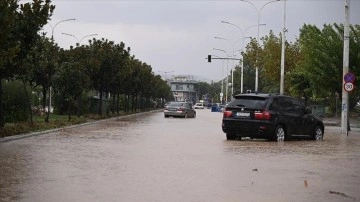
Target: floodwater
152, 158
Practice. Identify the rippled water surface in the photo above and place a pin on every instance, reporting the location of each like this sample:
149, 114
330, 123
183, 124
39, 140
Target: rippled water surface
152, 158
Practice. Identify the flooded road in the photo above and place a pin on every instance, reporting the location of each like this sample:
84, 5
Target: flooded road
152, 158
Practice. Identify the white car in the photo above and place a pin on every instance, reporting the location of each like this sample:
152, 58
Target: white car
199, 106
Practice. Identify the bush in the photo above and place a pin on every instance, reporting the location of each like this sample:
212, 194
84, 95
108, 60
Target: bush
14, 98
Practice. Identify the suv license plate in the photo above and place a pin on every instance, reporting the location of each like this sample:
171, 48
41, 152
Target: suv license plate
243, 114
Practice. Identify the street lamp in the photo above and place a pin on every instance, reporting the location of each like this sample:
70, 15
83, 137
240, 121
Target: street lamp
165, 73
222, 77
258, 22
53, 27
242, 49
227, 76
79, 41
282, 71
52, 38
232, 70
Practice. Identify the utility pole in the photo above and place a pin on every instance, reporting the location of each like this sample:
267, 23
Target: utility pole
345, 94
282, 72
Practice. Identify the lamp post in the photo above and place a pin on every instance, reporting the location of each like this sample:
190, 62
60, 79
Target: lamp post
222, 77
282, 71
258, 32
345, 125
232, 70
227, 76
242, 49
52, 38
165, 75
79, 41
53, 27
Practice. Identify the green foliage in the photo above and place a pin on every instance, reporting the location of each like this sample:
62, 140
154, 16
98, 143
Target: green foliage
15, 101
319, 73
19, 26
39, 125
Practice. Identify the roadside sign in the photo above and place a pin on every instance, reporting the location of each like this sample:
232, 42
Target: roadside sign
349, 77
221, 94
348, 86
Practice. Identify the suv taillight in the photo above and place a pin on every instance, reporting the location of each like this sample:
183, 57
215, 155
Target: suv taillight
262, 115
227, 114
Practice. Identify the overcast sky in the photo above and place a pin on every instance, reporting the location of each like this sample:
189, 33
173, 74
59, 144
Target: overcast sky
176, 36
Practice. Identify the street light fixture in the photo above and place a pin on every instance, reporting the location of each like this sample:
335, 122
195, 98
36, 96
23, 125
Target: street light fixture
165, 74
232, 70
227, 76
52, 39
258, 22
282, 71
53, 27
222, 76
79, 41
242, 49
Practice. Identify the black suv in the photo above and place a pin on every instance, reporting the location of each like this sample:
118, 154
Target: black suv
270, 116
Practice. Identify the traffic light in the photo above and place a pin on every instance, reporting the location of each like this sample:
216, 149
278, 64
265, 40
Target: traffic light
209, 58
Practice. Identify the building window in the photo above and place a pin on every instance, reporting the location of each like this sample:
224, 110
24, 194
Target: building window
179, 87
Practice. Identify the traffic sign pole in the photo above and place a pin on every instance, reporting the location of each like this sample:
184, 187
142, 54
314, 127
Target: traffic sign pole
345, 96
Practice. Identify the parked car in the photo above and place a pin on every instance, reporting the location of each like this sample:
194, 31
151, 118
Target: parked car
270, 116
199, 106
179, 109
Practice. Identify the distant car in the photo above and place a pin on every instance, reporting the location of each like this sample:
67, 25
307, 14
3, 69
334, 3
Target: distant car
179, 109
199, 106
270, 116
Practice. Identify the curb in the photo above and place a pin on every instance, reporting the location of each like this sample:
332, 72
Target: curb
22, 136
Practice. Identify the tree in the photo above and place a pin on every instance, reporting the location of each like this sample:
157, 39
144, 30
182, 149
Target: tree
43, 62
18, 31
70, 80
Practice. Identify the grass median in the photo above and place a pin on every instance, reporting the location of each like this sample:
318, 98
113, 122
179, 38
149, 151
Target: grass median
39, 124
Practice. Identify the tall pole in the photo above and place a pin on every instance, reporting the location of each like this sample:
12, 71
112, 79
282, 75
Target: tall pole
52, 38
242, 49
165, 74
227, 70
232, 70
222, 79
345, 96
258, 36
282, 72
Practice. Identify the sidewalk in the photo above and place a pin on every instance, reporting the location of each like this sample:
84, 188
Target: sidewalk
336, 121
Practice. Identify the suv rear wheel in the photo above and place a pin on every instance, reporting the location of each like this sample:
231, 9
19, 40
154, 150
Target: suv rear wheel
318, 133
279, 134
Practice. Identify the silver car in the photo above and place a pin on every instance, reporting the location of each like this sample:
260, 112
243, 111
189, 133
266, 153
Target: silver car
179, 109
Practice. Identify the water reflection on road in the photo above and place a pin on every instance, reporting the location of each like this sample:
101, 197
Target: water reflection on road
152, 158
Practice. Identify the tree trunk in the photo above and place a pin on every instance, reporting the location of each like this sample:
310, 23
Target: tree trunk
48, 112
132, 102
44, 89
117, 103
127, 103
69, 110
113, 103
2, 119
100, 101
28, 102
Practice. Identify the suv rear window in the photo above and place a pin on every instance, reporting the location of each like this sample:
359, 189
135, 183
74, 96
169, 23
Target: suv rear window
249, 102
